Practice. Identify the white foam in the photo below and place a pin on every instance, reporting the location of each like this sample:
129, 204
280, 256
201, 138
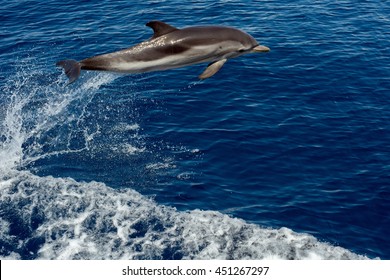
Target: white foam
131, 150
160, 165
93, 221
124, 127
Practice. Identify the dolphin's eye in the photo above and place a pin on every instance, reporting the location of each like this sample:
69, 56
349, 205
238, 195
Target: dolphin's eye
241, 51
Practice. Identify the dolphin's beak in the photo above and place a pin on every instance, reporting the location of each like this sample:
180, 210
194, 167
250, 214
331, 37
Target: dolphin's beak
260, 48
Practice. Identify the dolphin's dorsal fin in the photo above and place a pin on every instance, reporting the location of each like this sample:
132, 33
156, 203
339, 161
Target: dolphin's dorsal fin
160, 28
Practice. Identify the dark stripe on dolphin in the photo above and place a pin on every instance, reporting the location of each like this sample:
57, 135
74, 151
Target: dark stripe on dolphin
97, 63
171, 49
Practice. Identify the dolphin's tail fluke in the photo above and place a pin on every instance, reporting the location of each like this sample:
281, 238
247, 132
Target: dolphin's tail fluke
72, 69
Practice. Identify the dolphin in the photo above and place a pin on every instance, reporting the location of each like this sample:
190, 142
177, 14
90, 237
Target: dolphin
169, 48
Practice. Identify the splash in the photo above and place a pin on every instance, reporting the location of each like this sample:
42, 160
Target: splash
42, 113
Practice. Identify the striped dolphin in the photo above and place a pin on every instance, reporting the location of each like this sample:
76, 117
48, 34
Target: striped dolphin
170, 47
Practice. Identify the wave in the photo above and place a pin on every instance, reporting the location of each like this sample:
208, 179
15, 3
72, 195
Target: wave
59, 218
42, 217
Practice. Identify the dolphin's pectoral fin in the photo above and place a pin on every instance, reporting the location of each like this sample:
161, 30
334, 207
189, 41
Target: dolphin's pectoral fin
160, 28
212, 68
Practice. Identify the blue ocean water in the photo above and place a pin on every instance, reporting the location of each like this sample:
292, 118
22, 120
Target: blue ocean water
280, 155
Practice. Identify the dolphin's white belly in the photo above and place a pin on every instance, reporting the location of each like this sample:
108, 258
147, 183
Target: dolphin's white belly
191, 56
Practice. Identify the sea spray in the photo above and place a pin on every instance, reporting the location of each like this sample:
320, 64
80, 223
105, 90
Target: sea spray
42, 115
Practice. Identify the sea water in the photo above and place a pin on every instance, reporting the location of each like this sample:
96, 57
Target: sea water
283, 155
